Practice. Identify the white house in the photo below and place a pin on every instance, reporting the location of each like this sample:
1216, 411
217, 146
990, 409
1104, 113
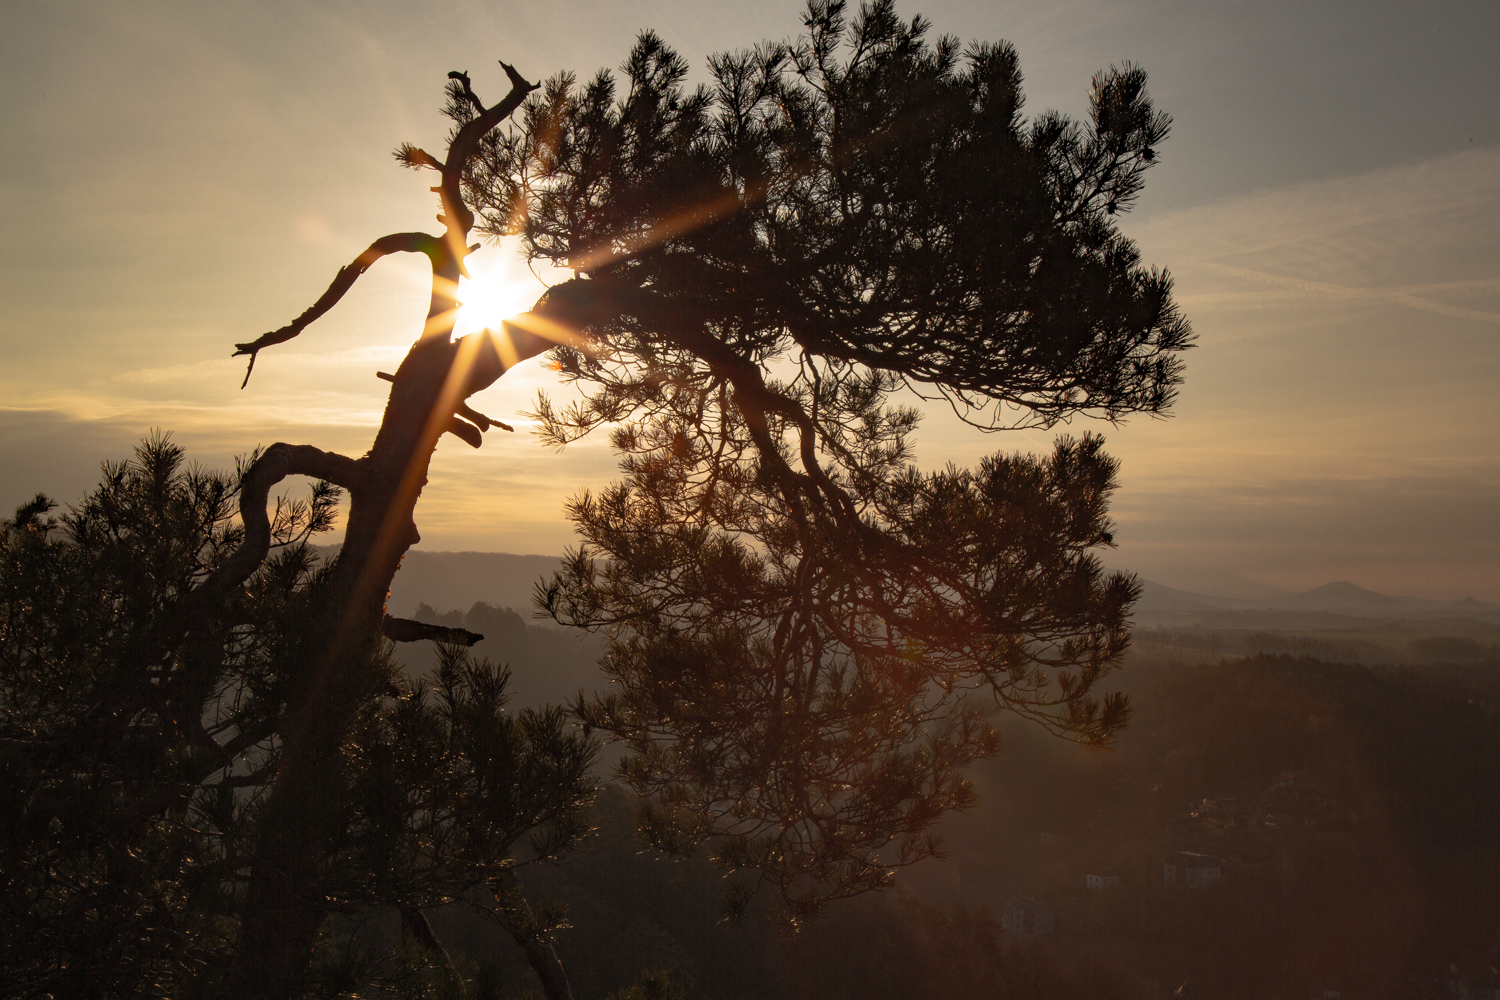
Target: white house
1101, 878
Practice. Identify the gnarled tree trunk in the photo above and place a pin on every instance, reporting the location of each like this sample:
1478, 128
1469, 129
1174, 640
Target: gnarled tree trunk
284, 907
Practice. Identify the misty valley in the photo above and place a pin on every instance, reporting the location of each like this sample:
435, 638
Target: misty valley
1304, 804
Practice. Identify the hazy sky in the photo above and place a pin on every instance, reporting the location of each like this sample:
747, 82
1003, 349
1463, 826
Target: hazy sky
180, 176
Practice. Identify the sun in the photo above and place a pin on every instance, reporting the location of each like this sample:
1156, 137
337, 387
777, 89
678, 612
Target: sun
499, 288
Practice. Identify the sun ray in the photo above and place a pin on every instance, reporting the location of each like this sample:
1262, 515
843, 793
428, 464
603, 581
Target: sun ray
497, 289
548, 328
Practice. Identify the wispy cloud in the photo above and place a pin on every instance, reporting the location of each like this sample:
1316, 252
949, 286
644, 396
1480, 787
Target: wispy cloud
1396, 295
339, 360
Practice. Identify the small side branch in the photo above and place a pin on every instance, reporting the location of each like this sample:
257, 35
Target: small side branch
481, 421
465, 432
278, 462
464, 410
411, 156
342, 282
406, 630
468, 88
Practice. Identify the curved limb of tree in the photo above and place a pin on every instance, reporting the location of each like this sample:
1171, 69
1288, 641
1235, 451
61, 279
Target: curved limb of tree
342, 282
584, 304
274, 464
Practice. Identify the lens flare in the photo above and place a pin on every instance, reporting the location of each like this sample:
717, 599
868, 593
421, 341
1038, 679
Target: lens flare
498, 289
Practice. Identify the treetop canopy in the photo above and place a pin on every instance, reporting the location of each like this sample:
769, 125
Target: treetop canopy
864, 196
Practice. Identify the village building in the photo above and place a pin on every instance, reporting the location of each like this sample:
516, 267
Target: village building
1191, 870
1027, 916
1101, 878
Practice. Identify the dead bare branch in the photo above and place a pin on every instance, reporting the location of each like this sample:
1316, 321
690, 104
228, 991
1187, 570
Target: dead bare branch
342, 282
465, 146
406, 630
481, 421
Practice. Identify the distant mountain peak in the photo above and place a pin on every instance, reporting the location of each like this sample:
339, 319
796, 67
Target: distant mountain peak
1343, 588
1341, 599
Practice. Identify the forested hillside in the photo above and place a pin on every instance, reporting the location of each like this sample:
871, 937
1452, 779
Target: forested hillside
1352, 809
549, 665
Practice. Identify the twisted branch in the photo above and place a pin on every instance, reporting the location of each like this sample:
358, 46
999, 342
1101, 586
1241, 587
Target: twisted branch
279, 461
342, 282
532, 937
415, 923
465, 432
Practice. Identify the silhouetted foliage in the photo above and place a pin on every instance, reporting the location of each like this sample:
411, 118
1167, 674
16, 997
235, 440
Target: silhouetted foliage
136, 754
762, 265
811, 739
798, 616
863, 197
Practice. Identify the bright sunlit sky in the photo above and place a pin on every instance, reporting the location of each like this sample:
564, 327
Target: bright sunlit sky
179, 176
